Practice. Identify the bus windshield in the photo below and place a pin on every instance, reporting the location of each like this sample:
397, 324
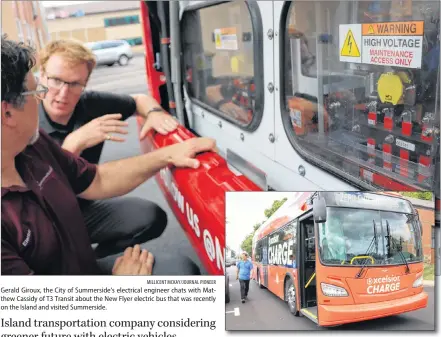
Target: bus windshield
360, 236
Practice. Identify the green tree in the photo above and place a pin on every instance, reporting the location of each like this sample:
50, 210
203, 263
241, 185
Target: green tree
247, 243
276, 205
418, 195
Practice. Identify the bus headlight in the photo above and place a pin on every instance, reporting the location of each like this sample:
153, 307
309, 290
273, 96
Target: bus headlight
333, 291
418, 282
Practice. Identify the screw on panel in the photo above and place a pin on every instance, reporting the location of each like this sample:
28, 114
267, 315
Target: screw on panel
203, 114
302, 170
220, 124
270, 34
242, 137
270, 87
271, 138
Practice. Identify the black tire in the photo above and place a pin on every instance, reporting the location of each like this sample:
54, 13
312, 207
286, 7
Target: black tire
259, 282
290, 297
227, 288
123, 60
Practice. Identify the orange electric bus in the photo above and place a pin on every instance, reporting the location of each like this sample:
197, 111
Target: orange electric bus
342, 257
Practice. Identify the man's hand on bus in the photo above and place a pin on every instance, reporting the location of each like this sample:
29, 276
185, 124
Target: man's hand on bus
133, 171
96, 131
134, 262
182, 154
161, 122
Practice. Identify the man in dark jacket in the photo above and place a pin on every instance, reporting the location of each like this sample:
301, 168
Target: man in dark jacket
43, 230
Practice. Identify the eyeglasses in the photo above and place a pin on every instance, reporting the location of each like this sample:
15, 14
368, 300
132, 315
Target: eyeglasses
39, 92
57, 84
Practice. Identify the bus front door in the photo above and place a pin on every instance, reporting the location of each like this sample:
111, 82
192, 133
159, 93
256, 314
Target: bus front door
307, 279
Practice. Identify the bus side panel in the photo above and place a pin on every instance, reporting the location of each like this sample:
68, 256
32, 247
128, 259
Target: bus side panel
197, 197
276, 280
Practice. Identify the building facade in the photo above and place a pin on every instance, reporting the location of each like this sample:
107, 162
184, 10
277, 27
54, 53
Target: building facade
25, 21
90, 22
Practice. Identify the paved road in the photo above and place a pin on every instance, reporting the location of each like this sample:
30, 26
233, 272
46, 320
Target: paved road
265, 311
130, 80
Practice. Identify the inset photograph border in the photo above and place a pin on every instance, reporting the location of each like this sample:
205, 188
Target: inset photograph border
321, 260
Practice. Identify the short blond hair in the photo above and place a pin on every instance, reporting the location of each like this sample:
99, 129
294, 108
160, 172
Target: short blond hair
74, 52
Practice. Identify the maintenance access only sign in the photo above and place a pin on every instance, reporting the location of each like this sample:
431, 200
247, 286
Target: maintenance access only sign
398, 44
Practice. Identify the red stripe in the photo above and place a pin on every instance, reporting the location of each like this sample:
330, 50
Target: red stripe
383, 181
387, 156
404, 161
423, 168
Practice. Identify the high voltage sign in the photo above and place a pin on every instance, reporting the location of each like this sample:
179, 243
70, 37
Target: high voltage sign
350, 47
394, 43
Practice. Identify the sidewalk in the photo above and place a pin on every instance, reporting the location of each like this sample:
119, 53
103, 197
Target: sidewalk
428, 283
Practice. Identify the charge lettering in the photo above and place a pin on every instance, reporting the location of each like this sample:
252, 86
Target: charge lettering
383, 288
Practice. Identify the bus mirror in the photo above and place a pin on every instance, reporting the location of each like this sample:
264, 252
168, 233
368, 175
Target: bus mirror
319, 209
418, 220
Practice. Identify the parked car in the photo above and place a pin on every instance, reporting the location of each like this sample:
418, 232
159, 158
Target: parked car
111, 51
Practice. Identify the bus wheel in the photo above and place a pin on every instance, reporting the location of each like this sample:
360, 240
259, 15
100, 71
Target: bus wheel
259, 281
290, 297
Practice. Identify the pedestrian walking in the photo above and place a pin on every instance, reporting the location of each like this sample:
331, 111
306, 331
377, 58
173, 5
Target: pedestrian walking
244, 269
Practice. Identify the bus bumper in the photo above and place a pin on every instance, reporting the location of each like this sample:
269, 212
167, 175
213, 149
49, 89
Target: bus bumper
330, 315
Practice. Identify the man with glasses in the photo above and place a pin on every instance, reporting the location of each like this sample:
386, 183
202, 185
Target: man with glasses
43, 230
80, 121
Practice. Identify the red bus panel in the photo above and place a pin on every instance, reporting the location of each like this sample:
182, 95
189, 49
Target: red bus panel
197, 197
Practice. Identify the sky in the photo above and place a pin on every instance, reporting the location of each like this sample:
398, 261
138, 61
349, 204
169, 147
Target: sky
61, 3
245, 209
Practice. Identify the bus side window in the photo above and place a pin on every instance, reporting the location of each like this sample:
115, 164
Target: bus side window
364, 112
222, 55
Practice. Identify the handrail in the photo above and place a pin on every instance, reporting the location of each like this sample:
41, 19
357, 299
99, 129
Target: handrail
363, 257
310, 280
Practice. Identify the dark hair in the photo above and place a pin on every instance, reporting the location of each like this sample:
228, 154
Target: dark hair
17, 60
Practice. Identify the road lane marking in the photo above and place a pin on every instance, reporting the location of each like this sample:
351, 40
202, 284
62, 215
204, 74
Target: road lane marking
236, 312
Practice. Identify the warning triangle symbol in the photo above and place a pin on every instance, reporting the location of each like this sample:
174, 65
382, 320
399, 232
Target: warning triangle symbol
350, 47
371, 30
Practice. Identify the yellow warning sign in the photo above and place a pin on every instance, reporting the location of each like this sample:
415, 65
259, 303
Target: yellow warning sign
350, 47
370, 30
218, 40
